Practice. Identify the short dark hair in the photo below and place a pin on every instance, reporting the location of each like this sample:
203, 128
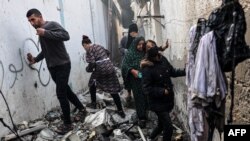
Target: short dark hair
151, 41
33, 11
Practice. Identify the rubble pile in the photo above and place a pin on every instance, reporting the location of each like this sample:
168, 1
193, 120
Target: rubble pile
101, 124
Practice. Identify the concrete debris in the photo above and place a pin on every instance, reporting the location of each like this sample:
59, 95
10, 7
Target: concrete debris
101, 124
119, 136
74, 137
38, 123
53, 115
47, 134
91, 136
25, 132
141, 134
97, 119
66, 136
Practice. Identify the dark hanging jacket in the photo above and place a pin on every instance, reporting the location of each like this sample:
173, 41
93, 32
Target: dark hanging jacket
155, 79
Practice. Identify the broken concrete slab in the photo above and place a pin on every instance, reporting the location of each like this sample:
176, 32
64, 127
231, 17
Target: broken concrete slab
25, 132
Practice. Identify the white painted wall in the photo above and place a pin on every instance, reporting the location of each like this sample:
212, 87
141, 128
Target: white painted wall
17, 80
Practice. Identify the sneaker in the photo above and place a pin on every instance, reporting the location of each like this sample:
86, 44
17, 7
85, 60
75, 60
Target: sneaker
80, 116
63, 129
91, 105
121, 114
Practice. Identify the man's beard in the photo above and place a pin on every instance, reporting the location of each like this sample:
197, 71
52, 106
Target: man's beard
36, 26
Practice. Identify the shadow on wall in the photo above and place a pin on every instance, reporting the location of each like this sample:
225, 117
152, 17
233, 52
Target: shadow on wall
115, 54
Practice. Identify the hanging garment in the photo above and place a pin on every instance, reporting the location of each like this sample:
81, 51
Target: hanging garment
196, 114
209, 82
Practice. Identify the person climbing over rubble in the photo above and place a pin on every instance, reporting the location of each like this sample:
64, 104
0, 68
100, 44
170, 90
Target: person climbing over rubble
103, 74
158, 88
51, 37
132, 74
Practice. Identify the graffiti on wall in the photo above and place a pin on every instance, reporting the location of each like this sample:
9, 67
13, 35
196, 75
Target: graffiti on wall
13, 69
40, 69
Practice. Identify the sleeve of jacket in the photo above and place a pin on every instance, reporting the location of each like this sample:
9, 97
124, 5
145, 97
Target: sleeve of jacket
39, 57
148, 87
126, 67
90, 56
176, 72
57, 32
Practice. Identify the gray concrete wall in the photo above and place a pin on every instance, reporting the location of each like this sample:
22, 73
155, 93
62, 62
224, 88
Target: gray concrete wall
30, 93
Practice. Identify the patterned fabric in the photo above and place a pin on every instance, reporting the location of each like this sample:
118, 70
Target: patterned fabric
131, 61
104, 75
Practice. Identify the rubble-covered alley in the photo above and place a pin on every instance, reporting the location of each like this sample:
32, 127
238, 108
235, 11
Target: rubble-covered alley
29, 101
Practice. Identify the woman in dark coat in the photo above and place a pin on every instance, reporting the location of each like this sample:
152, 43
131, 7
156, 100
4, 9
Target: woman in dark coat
103, 73
131, 72
158, 87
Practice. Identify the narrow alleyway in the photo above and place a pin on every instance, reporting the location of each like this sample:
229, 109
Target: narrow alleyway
209, 40
101, 124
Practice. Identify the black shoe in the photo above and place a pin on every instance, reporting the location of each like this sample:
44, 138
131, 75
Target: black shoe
80, 116
63, 129
121, 114
91, 105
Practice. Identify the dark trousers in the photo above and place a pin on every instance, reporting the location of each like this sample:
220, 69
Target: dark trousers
115, 97
141, 104
60, 75
165, 125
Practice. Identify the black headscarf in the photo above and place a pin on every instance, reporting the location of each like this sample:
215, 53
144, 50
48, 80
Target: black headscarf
152, 53
132, 28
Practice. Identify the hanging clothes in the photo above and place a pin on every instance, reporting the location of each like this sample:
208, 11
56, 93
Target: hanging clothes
206, 84
196, 114
209, 82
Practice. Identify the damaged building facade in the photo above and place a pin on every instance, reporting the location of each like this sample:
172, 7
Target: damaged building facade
30, 92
